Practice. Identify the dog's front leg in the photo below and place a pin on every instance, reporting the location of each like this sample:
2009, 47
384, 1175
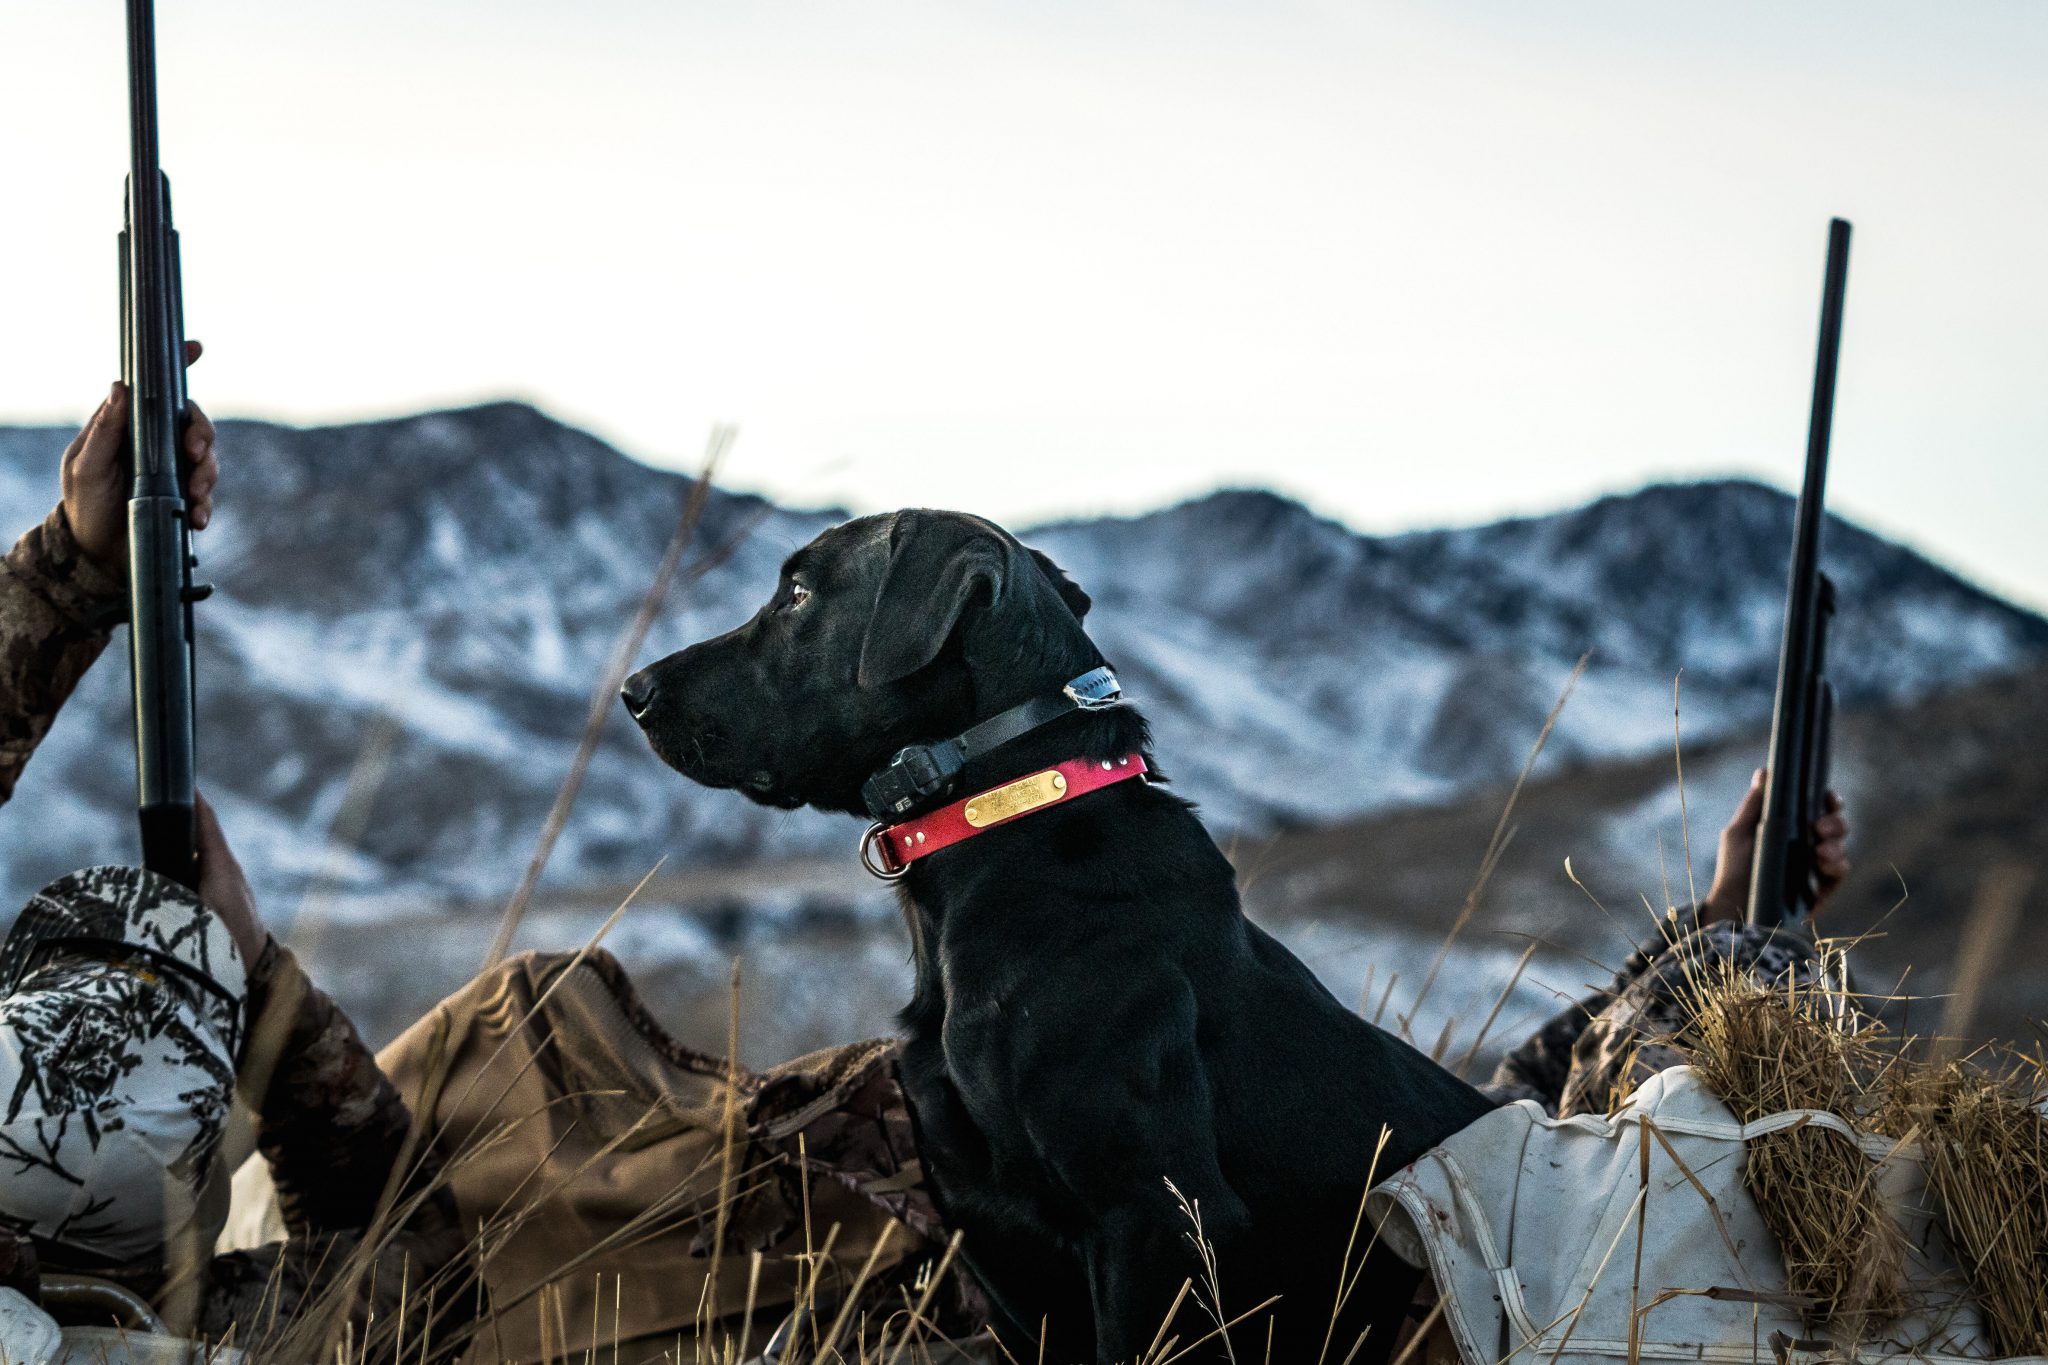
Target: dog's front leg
1130, 1133
1139, 1257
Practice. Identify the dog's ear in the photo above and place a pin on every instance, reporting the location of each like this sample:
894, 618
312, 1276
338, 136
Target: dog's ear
937, 565
1070, 592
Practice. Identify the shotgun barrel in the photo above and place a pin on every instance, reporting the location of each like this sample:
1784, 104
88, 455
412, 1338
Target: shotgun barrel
1785, 883
160, 562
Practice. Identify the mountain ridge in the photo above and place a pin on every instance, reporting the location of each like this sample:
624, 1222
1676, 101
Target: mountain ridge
457, 578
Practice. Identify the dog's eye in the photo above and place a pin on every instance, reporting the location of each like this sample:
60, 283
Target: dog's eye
798, 595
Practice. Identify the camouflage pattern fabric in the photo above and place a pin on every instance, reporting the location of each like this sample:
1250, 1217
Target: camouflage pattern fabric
1588, 1058
330, 1126
843, 1114
140, 918
118, 1039
57, 609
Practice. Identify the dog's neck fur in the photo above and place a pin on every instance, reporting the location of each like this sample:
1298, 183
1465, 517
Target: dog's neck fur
1012, 663
1110, 733
938, 890
1004, 671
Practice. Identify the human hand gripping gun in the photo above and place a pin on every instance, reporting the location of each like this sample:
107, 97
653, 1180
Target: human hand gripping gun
161, 593
1786, 883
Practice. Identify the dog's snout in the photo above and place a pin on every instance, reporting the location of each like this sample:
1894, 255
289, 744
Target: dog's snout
639, 692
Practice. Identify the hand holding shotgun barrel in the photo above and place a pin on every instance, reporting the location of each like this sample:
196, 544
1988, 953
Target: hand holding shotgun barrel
160, 563
1787, 880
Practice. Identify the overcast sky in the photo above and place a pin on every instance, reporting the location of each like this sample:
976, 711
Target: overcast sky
1415, 263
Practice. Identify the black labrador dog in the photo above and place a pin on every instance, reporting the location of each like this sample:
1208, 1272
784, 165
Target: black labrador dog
1094, 1017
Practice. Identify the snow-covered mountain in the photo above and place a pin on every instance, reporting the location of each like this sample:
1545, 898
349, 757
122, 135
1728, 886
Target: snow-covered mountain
430, 599
1303, 671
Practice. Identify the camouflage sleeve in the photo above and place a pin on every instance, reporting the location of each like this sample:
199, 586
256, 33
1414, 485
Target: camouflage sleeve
333, 1129
1541, 1068
57, 609
333, 1126
1538, 1069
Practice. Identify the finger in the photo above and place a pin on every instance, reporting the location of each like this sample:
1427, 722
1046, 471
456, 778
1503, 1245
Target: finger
202, 466
199, 445
199, 432
98, 453
1830, 827
193, 350
206, 822
214, 853
1835, 801
99, 438
98, 415
1752, 808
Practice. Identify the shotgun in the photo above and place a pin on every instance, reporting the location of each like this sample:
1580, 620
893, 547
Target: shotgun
1785, 883
160, 563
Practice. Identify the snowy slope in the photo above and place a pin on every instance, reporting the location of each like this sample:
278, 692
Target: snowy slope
464, 574
1311, 672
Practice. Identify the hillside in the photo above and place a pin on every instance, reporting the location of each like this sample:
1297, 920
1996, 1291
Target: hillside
456, 579
1941, 792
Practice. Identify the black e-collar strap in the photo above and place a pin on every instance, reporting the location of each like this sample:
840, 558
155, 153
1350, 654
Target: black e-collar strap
923, 772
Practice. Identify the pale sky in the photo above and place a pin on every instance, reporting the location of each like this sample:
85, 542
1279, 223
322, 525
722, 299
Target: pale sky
1414, 263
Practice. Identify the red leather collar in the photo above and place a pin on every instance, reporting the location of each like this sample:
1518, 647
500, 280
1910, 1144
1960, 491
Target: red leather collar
889, 850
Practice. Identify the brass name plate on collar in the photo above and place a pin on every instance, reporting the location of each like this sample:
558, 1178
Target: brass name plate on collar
1015, 798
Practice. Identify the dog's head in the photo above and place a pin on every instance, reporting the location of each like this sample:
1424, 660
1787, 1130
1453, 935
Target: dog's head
884, 631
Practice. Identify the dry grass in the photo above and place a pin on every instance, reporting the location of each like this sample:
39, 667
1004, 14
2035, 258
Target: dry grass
1979, 1127
1767, 1052
1985, 1144
844, 1312
1764, 1051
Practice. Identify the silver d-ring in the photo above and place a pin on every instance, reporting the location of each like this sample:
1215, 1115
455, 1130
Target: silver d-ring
875, 857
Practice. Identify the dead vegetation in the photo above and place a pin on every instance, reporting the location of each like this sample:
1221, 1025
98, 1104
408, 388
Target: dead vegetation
1768, 1052
1976, 1124
1984, 1139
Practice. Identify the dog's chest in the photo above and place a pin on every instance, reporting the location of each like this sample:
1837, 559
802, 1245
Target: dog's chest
960, 1075
966, 1037
974, 1040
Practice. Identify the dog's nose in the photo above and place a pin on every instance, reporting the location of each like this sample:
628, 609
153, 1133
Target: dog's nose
638, 693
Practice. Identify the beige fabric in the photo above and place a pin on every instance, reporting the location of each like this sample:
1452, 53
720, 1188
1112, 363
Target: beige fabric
584, 1147
1530, 1227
